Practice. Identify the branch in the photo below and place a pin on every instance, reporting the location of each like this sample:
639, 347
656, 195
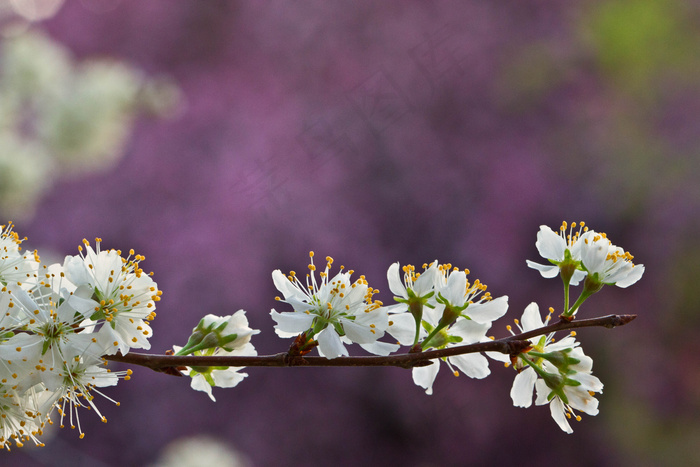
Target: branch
512, 345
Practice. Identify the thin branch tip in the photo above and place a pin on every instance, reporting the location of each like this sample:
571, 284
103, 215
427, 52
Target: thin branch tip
623, 319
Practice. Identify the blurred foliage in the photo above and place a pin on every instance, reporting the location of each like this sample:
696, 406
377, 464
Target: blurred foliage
639, 42
60, 118
683, 286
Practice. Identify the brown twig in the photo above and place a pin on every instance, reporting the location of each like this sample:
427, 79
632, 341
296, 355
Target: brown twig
512, 345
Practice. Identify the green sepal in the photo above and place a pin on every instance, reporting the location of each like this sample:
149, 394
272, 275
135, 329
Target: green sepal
224, 341
6, 335
209, 341
559, 359
45, 346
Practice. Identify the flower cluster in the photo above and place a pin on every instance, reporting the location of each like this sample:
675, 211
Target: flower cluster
445, 309
439, 306
59, 322
56, 324
559, 371
586, 255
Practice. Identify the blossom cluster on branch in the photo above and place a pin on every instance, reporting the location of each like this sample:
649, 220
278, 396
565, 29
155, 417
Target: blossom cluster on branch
56, 323
60, 322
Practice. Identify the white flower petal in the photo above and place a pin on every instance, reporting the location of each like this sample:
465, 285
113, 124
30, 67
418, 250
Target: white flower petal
498, 356
455, 290
473, 365
299, 305
199, 383
581, 400
403, 328
585, 364
577, 277
424, 376
523, 385
543, 392
487, 312
286, 287
358, 333
588, 382
567, 342
634, 275
329, 343
427, 280
531, 318
546, 270
292, 322
433, 315
396, 308
593, 255
380, 348
396, 285
228, 378
76, 271
469, 330
377, 317
83, 306
550, 244
558, 411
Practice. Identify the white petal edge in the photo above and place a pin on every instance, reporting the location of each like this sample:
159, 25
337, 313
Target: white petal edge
424, 376
523, 385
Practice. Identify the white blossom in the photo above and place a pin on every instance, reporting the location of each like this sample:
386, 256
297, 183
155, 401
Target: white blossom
559, 371
607, 263
462, 332
334, 310
204, 378
561, 249
125, 295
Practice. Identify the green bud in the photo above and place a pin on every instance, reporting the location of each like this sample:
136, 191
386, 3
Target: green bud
556, 383
567, 269
211, 340
591, 285
195, 338
439, 340
449, 316
415, 306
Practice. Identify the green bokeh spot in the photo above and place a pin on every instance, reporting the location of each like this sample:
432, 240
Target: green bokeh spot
637, 41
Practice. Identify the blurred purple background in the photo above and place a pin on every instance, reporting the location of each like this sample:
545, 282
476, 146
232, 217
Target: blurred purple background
397, 131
